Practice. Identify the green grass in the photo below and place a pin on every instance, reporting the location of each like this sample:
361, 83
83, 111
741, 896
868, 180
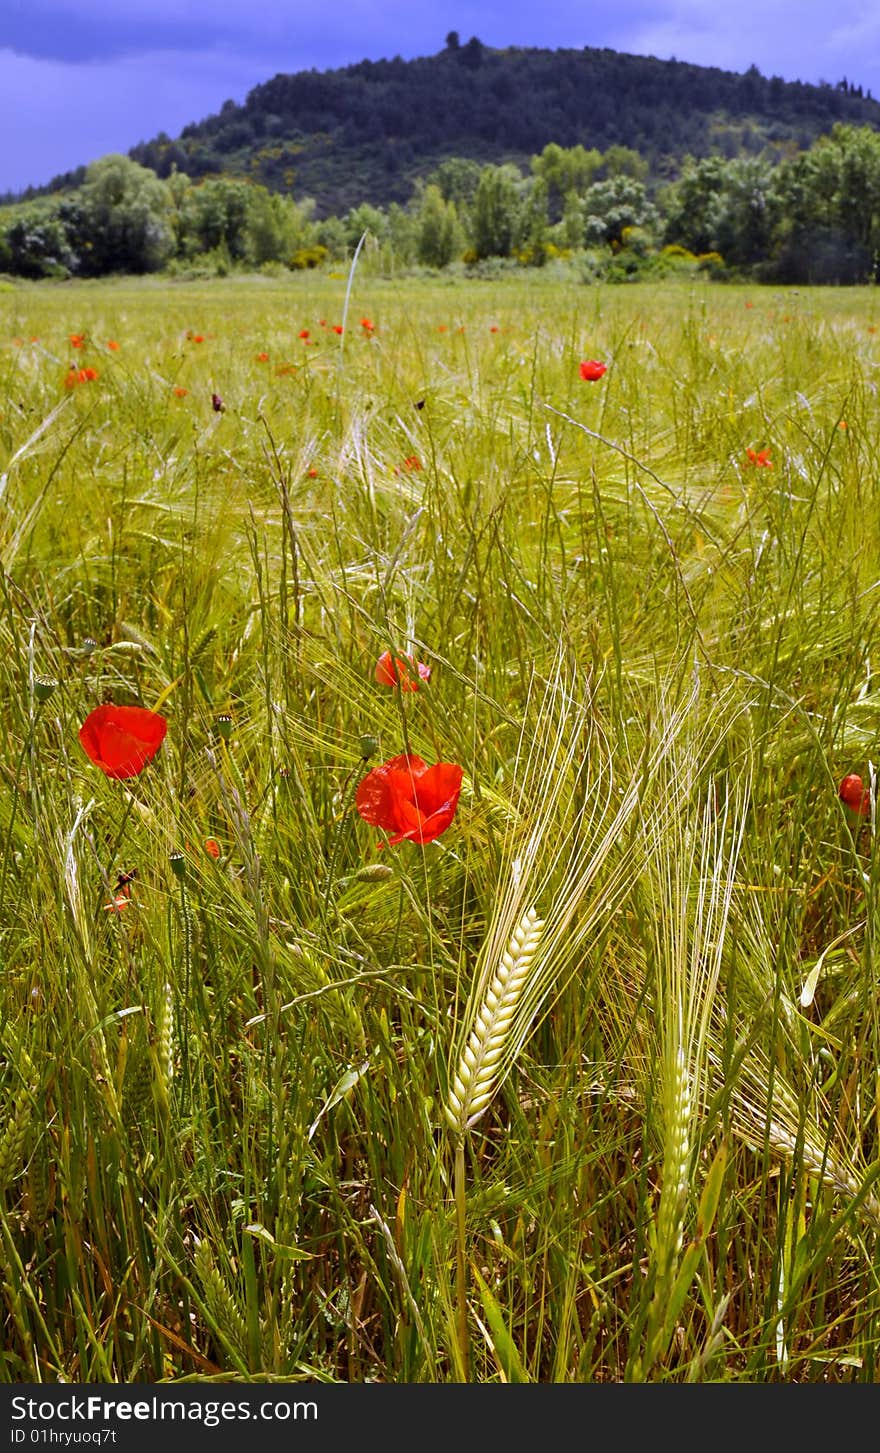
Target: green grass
227, 1145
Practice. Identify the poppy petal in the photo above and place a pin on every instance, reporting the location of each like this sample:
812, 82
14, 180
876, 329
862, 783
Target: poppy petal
122, 739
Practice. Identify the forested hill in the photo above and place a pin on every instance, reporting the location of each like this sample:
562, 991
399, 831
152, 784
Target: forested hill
367, 131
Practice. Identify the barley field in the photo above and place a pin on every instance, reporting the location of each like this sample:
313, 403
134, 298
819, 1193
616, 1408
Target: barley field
461, 965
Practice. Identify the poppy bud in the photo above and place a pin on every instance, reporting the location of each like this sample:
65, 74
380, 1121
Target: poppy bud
223, 726
44, 687
177, 863
854, 794
369, 747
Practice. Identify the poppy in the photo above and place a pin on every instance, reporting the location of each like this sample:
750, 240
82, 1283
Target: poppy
409, 799
401, 671
112, 345
119, 901
179, 391
304, 333
592, 370
412, 461
337, 327
367, 325
121, 740
494, 328
196, 337
854, 794
760, 458
80, 375
262, 358
312, 472
77, 340
212, 847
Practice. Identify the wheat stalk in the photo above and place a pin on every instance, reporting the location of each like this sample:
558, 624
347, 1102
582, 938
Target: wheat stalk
474, 1082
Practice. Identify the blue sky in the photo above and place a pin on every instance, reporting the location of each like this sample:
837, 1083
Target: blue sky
80, 78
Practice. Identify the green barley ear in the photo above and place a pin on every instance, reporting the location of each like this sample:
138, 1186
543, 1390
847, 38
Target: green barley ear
476, 1078
13, 1137
225, 1317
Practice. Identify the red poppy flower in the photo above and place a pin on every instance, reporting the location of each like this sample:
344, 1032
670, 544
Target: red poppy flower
112, 345
196, 337
312, 472
121, 740
401, 671
854, 794
494, 328
409, 799
80, 375
120, 901
337, 327
367, 325
212, 847
77, 340
442, 327
592, 370
262, 358
412, 461
304, 333
179, 391
760, 458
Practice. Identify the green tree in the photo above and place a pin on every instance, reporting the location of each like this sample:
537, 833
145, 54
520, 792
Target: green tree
121, 221
438, 229
612, 206
495, 211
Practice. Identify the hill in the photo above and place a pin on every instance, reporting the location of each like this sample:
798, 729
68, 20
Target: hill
366, 131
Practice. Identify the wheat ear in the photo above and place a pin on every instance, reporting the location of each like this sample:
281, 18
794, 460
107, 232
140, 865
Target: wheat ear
474, 1082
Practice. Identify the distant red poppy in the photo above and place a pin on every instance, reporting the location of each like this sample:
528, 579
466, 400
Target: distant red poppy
119, 901
312, 472
337, 327
196, 337
592, 370
212, 847
77, 340
112, 345
401, 671
854, 794
442, 327
179, 391
121, 740
409, 799
80, 375
367, 325
494, 328
262, 358
760, 458
303, 332
285, 370
412, 461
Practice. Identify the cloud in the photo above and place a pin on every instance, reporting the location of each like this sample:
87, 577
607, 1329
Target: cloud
67, 115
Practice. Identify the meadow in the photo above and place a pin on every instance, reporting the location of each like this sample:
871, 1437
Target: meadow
578, 1080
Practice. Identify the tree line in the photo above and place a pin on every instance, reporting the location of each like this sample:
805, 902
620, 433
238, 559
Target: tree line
811, 217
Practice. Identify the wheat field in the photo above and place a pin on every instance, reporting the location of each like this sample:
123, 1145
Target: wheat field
576, 1082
